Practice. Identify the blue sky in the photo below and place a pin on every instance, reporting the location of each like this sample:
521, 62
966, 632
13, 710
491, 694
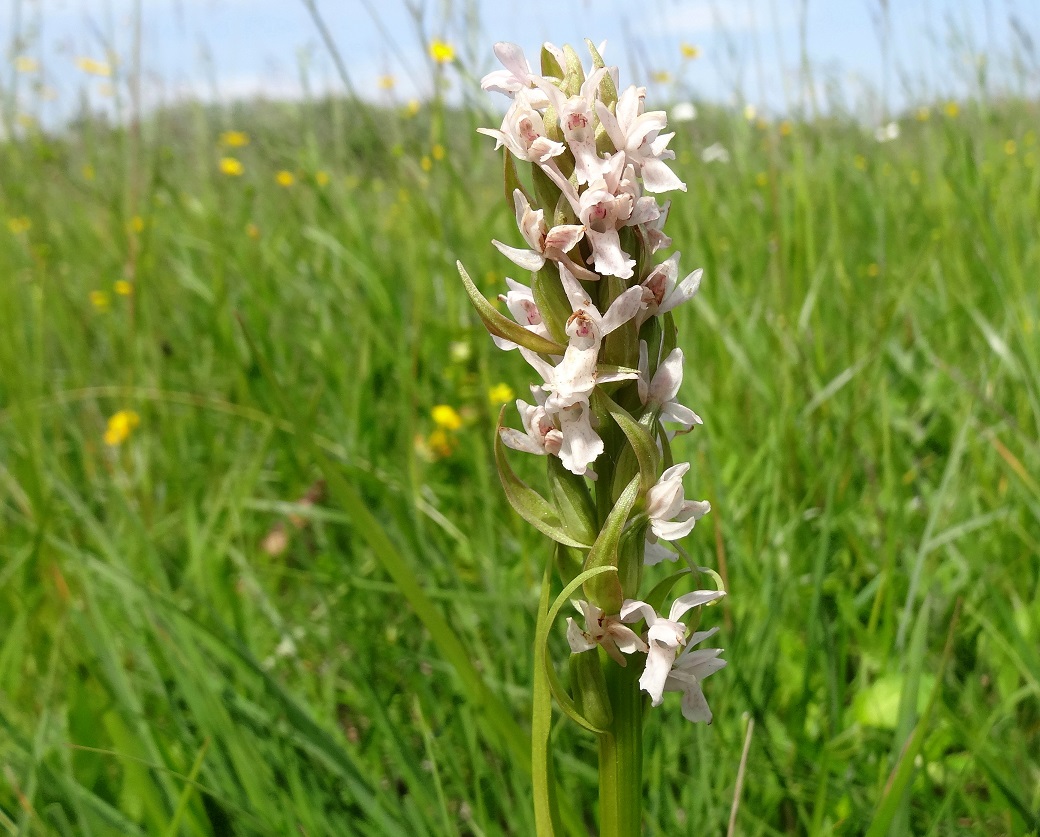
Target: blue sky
750, 49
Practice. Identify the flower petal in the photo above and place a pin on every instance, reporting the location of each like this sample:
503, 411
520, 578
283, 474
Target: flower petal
527, 259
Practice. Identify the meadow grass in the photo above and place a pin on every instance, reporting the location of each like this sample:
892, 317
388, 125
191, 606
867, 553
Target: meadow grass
289, 603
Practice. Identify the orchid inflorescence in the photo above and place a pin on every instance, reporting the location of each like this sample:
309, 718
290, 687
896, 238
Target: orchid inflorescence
596, 324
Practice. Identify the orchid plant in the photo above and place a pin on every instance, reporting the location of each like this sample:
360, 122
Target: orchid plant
596, 325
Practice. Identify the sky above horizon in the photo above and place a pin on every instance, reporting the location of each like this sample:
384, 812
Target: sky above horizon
750, 51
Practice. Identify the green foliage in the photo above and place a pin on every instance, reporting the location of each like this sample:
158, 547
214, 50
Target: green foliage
194, 639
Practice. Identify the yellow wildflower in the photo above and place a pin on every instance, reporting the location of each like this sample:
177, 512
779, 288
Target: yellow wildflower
25, 64
285, 178
88, 172
1010, 147
750, 112
252, 230
234, 139
19, 225
438, 151
952, 109
426, 164
412, 108
445, 417
785, 128
122, 287
321, 178
442, 52
26, 120
93, 67
387, 82
137, 224
860, 162
100, 300
689, 51
231, 167
873, 270
120, 425
661, 76
762, 179
500, 394
923, 114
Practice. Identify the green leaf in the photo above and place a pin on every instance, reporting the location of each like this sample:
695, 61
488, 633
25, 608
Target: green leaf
621, 346
550, 66
643, 444
552, 303
573, 500
655, 598
546, 810
899, 780
501, 326
606, 592
607, 91
527, 502
589, 687
512, 179
573, 73
547, 192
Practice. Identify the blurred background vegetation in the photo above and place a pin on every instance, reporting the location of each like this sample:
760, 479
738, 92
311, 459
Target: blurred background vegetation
213, 315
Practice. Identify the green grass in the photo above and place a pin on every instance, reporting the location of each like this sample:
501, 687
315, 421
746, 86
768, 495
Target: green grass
865, 352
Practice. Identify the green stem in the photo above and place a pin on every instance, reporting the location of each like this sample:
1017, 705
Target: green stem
621, 757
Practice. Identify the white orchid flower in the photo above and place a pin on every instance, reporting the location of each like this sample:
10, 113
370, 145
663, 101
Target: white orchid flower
523, 131
540, 437
653, 231
660, 391
662, 293
577, 116
638, 135
616, 638
580, 444
575, 377
546, 243
689, 670
664, 636
671, 515
515, 77
521, 304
